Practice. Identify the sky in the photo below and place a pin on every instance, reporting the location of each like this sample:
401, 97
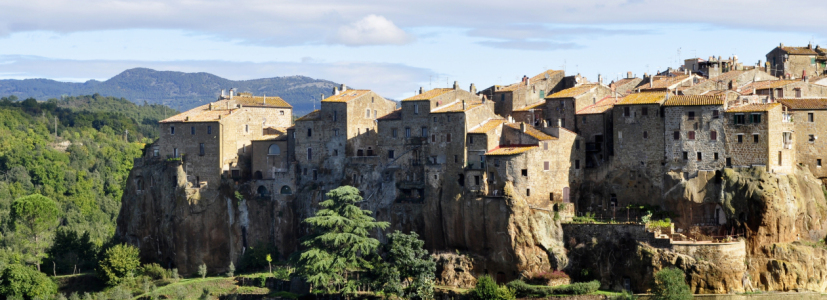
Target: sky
389, 46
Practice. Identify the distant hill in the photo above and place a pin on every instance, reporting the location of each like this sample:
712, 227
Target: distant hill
178, 90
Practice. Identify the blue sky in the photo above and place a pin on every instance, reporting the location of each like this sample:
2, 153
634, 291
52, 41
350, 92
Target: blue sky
392, 47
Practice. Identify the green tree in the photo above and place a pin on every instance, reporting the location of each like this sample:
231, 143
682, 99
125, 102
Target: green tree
35, 215
19, 281
71, 252
487, 289
339, 241
118, 263
231, 270
269, 260
670, 284
408, 270
202, 270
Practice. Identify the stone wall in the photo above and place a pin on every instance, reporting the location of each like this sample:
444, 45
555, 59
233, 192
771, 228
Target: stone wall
809, 152
705, 120
639, 141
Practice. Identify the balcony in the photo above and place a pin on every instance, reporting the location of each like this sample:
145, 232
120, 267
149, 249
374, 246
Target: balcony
416, 141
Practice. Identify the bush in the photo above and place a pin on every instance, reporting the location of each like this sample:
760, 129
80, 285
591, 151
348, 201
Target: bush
545, 276
255, 258
487, 289
231, 270
118, 263
670, 284
202, 270
174, 274
524, 290
19, 281
154, 271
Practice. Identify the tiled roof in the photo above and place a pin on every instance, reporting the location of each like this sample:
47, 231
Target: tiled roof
429, 94
693, 100
541, 76
394, 115
728, 76
313, 115
804, 104
624, 81
799, 50
537, 105
772, 84
261, 101
642, 98
573, 92
758, 107
510, 150
533, 132
487, 126
599, 107
663, 82
199, 114
456, 107
346, 96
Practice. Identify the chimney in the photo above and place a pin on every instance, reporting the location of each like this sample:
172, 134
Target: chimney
473, 89
456, 85
510, 119
222, 94
804, 75
600, 78
559, 123
781, 45
651, 78
420, 90
210, 105
629, 75
464, 106
522, 127
232, 91
545, 123
335, 91
344, 88
810, 46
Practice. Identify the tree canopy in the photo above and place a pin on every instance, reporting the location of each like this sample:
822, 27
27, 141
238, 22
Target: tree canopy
408, 270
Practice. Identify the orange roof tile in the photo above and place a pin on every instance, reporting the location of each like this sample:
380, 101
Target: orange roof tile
394, 115
663, 82
313, 115
805, 104
693, 100
429, 94
599, 107
537, 105
202, 113
573, 92
346, 96
261, 101
642, 98
510, 150
756, 107
624, 81
728, 76
456, 107
799, 50
533, 132
487, 126
538, 77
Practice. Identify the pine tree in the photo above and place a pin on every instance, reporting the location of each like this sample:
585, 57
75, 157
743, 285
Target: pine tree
338, 243
408, 271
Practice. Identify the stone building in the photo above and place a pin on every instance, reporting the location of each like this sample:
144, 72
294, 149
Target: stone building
528, 92
777, 89
797, 62
273, 165
732, 80
639, 134
594, 123
694, 133
626, 85
713, 67
809, 118
215, 139
760, 135
669, 83
561, 107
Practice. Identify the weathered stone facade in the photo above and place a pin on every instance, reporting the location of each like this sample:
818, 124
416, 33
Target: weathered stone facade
809, 118
639, 135
528, 92
760, 135
561, 107
694, 138
795, 62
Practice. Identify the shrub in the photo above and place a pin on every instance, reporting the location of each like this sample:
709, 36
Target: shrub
174, 274
202, 270
120, 293
231, 270
524, 290
282, 273
660, 224
581, 288
19, 281
118, 262
487, 289
545, 276
255, 258
670, 284
262, 280
154, 271
588, 217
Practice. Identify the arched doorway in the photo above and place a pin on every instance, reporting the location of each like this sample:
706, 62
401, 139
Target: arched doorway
285, 190
257, 175
262, 191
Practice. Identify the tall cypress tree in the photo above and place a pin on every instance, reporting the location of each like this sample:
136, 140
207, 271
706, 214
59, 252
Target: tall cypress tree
338, 243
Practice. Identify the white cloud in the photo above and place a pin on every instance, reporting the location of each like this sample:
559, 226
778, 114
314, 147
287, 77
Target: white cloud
371, 30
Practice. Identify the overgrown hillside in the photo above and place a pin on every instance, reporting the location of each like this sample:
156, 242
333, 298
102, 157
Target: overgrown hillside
175, 89
82, 167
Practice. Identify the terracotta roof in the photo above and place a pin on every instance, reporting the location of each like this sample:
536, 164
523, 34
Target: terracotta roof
537, 105
487, 126
313, 115
573, 92
599, 107
456, 107
623, 81
346, 96
663, 82
799, 50
273, 134
642, 98
693, 100
201, 113
533, 132
728, 76
758, 107
538, 77
261, 101
510, 150
394, 115
804, 104
772, 84
429, 94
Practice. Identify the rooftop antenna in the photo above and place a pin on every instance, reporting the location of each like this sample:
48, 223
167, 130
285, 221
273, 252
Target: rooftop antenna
678, 59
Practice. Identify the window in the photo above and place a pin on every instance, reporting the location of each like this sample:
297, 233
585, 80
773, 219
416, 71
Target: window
545, 166
812, 138
407, 132
713, 135
780, 158
360, 152
755, 118
542, 94
577, 164
715, 156
645, 134
246, 128
691, 115
476, 180
309, 153
456, 158
448, 138
685, 155
433, 138
780, 93
715, 114
393, 132
367, 113
335, 116
375, 113
810, 117
496, 162
281, 112
172, 130
700, 156
676, 135
798, 92
416, 109
690, 135
528, 192
175, 152
525, 172
739, 119
545, 145
336, 132
471, 139
155, 152
562, 122
335, 152
201, 149
755, 138
740, 138
502, 97
577, 144
644, 111
626, 112
209, 129
274, 150
434, 119
309, 132
424, 131
818, 162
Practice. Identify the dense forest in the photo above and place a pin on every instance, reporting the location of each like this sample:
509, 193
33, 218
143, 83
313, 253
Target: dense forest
82, 166
174, 89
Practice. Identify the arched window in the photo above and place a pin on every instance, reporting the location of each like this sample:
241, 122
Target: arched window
360, 152
257, 175
370, 151
285, 190
263, 192
139, 184
274, 150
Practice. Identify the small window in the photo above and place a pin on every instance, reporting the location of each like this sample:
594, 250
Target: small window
393, 132
201, 149
448, 138
433, 138
246, 128
577, 164
798, 92
644, 111
740, 138
470, 139
691, 115
545, 166
626, 112
367, 113
335, 116
700, 156
172, 130
192, 130
715, 114
456, 159
810, 117
175, 152
739, 119
496, 162
812, 138
274, 150
416, 109
676, 135
309, 153
434, 119
577, 144
375, 112
309, 132
755, 138
715, 156
525, 172
209, 129
407, 132
335, 152
155, 152
755, 118
476, 180
281, 112
685, 155
713, 135
645, 134
424, 131
336, 132
818, 162
527, 192
690, 135
562, 122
